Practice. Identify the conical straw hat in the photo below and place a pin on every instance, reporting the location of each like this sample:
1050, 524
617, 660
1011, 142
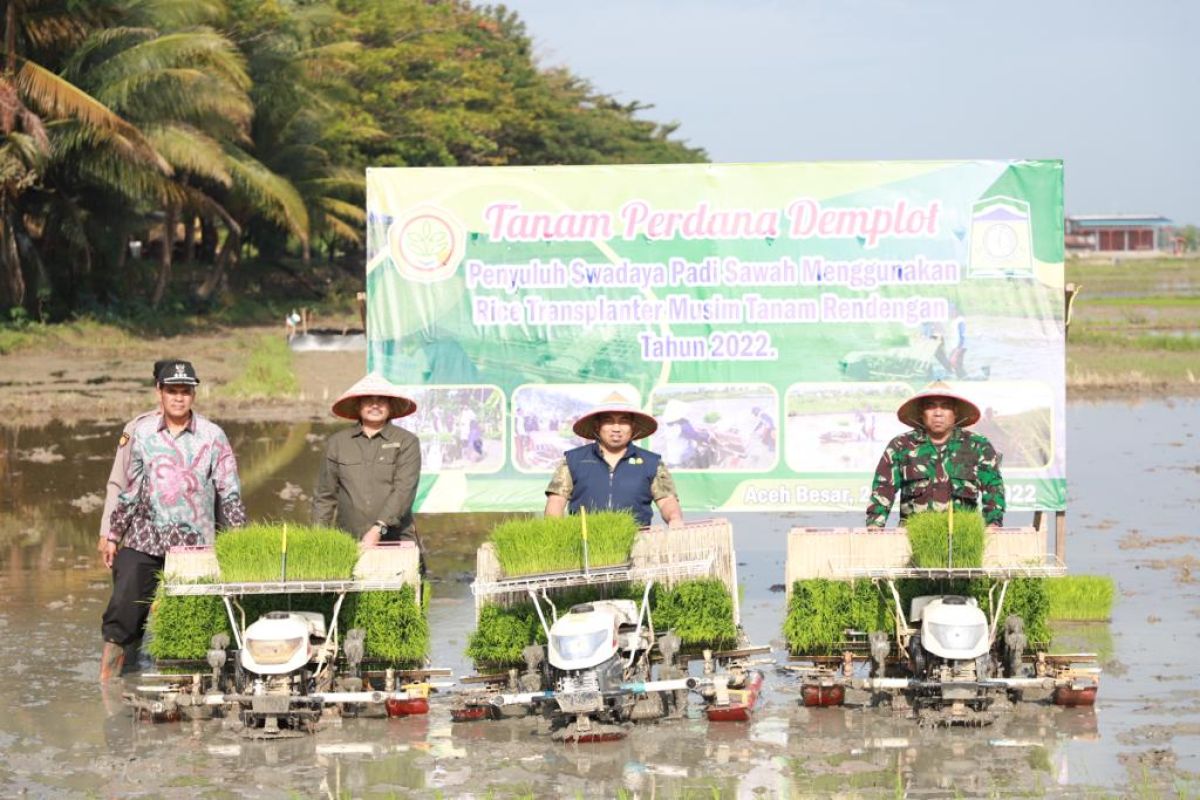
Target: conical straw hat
966, 413
586, 426
372, 385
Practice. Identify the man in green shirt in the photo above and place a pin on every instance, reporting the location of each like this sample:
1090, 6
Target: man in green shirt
368, 478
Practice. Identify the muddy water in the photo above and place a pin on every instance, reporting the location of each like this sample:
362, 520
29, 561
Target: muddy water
1135, 492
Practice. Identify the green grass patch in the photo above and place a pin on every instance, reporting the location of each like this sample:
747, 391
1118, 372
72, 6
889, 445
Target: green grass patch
555, 544
14, 338
78, 334
929, 537
1152, 301
396, 627
254, 553
1101, 277
1092, 367
1086, 336
268, 371
1080, 597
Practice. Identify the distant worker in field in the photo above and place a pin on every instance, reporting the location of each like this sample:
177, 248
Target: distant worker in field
764, 427
687, 446
611, 473
180, 470
938, 462
955, 362
368, 478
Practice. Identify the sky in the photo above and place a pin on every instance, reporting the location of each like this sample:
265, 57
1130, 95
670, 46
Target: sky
1108, 87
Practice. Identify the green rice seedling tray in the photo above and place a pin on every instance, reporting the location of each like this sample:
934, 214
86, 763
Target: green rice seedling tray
182, 627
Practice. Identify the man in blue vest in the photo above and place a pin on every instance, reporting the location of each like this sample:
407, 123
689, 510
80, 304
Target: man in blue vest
611, 472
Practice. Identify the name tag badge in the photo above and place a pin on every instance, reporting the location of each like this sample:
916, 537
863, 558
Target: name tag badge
389, 446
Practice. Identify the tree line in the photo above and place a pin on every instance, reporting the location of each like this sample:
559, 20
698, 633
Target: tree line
209, 131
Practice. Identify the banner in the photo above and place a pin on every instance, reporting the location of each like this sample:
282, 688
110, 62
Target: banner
772, 317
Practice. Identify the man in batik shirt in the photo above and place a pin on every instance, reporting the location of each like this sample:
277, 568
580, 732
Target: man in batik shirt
937, 462
181, 471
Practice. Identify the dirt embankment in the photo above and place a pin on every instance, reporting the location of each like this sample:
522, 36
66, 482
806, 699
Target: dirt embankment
110, 379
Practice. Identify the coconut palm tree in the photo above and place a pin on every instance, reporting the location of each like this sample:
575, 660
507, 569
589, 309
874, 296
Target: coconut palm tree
33, 99
184, 83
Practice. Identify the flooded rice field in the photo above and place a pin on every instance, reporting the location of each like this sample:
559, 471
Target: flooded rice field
1134, 475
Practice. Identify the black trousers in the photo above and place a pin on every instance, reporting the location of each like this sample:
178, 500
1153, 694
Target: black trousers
135, 579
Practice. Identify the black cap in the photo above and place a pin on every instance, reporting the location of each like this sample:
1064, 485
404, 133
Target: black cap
176, 373
158, 366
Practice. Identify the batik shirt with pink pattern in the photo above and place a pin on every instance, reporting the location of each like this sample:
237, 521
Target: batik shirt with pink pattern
176, 485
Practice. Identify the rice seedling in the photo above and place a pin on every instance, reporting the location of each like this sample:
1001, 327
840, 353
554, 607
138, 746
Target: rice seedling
502, 633
928, 535
183, 627
1081, 597
555, 544
396, 628
700, 612
255, 553
1028, 599
822, 610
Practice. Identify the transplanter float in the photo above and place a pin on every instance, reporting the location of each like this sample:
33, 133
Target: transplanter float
603, 666
286, 670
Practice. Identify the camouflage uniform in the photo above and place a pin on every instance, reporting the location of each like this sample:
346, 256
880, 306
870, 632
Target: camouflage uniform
927, 475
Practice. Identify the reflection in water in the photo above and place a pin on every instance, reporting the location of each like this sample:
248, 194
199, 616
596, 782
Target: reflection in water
58, 741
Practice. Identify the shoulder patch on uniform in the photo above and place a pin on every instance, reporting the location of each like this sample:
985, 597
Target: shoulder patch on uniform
124, 440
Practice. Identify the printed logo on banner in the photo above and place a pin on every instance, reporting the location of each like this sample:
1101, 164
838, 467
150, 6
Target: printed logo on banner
1001, 238
427, 244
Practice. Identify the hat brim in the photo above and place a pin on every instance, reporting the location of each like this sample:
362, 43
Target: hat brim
911, 411
179, 382
587, 427
347, 406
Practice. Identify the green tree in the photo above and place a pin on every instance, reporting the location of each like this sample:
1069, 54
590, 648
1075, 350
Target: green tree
38, 36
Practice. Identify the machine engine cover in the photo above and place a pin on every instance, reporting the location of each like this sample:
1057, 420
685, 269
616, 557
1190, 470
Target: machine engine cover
954, 628
279, 642
586, 636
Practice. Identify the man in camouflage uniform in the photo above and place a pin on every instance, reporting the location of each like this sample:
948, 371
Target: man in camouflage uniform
612, 473
937, 461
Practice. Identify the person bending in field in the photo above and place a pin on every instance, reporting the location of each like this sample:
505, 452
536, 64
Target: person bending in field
611, 473
938, 462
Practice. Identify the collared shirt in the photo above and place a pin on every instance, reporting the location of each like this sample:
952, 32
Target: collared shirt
174, 485
368, 479
120, 468
927, 476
